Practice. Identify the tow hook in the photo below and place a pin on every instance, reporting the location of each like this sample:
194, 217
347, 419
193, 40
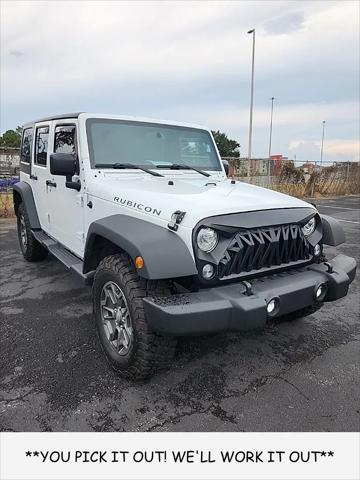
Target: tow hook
329, 267
248, 288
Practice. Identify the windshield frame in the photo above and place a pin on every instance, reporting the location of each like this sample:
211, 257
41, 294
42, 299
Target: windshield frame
89, 121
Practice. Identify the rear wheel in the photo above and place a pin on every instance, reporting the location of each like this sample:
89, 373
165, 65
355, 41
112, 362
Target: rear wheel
31, 249
132, 349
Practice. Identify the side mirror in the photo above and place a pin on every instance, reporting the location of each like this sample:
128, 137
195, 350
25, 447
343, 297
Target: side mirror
63, 164
226, 167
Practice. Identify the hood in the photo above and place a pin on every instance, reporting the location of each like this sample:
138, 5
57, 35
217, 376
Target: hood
198, 197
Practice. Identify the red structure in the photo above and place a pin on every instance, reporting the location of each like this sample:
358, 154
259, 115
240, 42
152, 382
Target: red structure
308, 167
277, 162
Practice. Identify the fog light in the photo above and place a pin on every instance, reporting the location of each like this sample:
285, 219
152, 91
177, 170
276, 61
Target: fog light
320, 292
317, 250
271, 306
208, 271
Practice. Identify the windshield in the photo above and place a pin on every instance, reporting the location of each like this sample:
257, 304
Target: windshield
149, 145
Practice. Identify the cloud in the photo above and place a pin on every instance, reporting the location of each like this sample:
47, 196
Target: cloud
285, 115
301, 123
16, 53
298, 119
340, 147
284, 24
185, 60
165, 42
334, 149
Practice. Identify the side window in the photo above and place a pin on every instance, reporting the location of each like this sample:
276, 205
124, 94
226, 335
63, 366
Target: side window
25, 155
64, 139
41, 145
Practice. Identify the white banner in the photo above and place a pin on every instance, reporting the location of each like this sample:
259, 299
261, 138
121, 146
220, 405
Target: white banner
316, 456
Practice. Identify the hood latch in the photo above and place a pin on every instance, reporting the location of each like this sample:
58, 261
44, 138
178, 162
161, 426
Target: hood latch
176, 219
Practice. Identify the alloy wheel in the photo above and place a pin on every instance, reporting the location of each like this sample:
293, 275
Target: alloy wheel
23, 233
116, 318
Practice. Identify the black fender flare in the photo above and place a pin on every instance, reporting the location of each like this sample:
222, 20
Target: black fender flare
165, 254
27, 197
333, 233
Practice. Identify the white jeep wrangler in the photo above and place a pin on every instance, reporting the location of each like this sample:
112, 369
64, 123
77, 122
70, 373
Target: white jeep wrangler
143, 210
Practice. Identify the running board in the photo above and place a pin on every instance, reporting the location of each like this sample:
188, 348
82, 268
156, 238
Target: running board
71, 261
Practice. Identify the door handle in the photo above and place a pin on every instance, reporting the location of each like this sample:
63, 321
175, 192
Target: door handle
50, 183
33, 177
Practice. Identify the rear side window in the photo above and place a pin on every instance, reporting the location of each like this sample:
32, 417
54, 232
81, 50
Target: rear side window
64, 139
25, 155
41, 145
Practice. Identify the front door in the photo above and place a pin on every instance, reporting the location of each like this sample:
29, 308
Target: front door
66, 205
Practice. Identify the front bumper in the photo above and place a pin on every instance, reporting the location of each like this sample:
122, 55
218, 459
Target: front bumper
230, 308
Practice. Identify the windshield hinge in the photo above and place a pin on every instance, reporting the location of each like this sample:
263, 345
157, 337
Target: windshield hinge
176, 219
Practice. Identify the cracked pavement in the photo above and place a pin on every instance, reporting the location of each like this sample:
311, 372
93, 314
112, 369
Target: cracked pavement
299, 375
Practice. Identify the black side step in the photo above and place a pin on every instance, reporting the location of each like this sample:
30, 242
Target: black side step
71, 261
42, 238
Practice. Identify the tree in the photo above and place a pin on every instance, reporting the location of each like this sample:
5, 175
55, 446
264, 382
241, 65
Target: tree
226, 146
11, 138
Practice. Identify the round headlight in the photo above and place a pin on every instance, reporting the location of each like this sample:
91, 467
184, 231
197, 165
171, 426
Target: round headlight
208, 271
207, 239
309, 227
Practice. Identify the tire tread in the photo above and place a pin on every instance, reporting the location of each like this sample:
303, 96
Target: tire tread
153, 352
35, 252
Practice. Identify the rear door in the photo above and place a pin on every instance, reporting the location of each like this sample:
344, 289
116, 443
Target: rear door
25, 154
40, 174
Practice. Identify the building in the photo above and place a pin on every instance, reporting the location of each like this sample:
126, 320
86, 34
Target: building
277, 162
308, 167
9, 160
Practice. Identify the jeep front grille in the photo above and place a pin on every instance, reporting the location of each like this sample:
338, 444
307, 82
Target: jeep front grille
258, 248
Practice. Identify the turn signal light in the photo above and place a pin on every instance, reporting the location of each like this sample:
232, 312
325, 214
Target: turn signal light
139, 262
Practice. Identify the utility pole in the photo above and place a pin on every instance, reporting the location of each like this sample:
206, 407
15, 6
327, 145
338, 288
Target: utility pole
251, 97
271, 123
270, 136
322, 143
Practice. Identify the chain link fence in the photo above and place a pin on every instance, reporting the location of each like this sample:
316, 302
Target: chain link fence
307, 179
301, 179
9, 174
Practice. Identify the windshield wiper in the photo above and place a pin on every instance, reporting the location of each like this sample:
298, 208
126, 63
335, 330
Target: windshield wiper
176, 166
121, 166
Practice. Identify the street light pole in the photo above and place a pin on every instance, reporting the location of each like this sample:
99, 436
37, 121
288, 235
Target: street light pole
322, 143
271, 123
251, 97
270, 137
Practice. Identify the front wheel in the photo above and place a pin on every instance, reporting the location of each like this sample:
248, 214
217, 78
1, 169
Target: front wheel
31, 249
132, 349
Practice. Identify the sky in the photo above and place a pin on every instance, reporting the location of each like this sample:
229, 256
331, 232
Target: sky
191, 61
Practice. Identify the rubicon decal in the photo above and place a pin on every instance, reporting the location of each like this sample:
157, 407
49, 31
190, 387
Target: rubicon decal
137, 206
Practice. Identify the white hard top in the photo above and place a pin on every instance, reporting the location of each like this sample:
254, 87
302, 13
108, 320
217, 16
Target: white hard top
129, 118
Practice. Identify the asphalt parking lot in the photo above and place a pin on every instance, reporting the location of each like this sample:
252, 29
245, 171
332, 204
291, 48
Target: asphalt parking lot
299, 375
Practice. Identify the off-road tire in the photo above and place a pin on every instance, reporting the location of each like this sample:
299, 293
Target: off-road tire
149, 352
32, 251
